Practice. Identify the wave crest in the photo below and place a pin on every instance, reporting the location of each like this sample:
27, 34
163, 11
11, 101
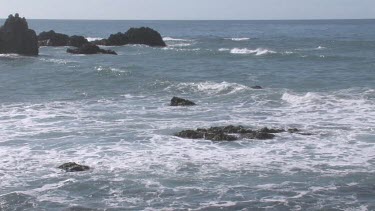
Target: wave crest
238, 38
257, 52
210, 88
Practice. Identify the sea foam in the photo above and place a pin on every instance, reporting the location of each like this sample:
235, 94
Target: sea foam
257, 52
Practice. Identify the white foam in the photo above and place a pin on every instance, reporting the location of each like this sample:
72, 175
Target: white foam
257, 52
224, 49
320, 48
91, 39
238, 38
175, 39
179, 45
209, 87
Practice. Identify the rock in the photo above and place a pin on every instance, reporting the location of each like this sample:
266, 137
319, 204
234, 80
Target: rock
267, 130
51, 38
259, 135
90, 48
192, 134
143, 35
73, 167
16, 37
257, 87
77, 41
176, 101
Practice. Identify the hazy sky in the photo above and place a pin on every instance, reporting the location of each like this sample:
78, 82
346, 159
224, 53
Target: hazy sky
189, 9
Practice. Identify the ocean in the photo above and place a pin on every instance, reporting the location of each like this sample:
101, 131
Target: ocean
112, 113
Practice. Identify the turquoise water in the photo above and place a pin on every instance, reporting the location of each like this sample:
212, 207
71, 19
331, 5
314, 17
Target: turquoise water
112, 113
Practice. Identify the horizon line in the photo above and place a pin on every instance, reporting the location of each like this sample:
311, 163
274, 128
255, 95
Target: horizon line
306, 19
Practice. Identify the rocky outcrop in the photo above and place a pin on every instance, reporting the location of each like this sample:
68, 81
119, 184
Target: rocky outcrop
232, 133
90, 48
143, 36
51, 38
73, 167
257, 87
176, 101
16, 37
77, 41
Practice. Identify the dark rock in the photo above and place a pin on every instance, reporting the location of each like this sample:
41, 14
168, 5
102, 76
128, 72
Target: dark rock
143, 35
267, 130
73, 167
293, 130
77, 41
16, 37
176, 101
90, 48
51, 38
259, 135
192, 134
257, 87
219, 137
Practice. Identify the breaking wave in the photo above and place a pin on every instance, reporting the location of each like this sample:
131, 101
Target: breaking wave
210, 88
257, 52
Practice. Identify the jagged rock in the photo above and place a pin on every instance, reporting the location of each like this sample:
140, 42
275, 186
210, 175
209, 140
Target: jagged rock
259, 135
16, 37
267, 130
143, 35
232, 133
176, 101
77, 41
257, 87
90, 48
73, 167
51, 38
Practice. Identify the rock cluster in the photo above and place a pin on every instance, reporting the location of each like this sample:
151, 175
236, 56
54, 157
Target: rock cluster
16, 37
51, 38
232, 133
73, 167
90, 48
143, 36
176, 101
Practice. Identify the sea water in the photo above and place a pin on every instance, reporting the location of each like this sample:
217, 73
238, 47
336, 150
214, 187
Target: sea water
112, 113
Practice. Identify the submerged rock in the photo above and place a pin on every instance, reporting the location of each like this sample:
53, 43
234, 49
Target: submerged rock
16, 37
90, 48
73, 167
257, 87
176, 101
143, 36
231, 133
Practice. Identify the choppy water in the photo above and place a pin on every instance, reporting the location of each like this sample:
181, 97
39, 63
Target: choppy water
112, 113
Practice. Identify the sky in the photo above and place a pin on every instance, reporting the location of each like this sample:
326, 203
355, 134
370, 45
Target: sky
189, 9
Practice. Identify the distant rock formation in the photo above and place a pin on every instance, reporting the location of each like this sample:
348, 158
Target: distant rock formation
90, 48
16, 37
176, 101
51, 38
143, 35
73, 167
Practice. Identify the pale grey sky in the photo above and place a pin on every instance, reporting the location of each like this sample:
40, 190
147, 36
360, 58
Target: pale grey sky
189, 9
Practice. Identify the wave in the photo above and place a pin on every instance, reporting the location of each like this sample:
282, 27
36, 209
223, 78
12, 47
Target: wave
257, 52
208, 87
90, 39
180, 45
174, 39
238, 39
